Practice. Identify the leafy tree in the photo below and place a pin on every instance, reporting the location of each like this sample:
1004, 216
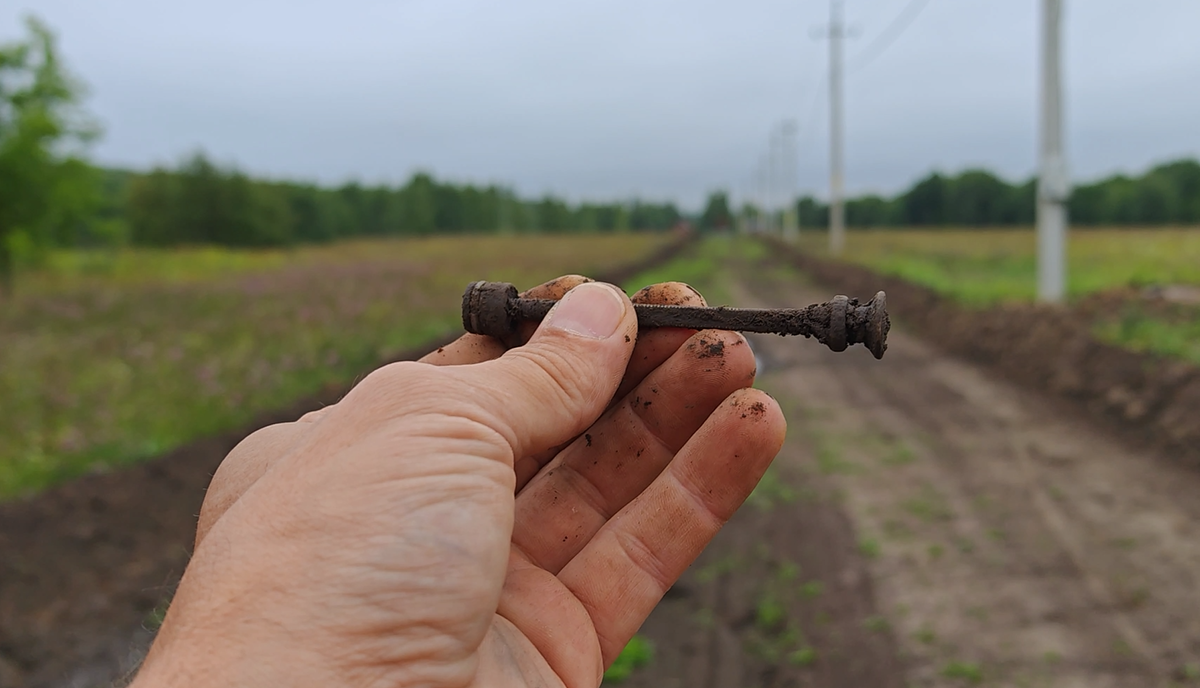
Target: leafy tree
420, 205
717, 214
925, 203
812, 213
553, 215
870, 211
45, 187
977, 197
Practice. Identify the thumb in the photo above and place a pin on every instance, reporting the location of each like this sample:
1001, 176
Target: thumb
551, 389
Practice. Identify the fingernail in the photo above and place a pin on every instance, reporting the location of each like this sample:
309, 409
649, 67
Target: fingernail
592, 310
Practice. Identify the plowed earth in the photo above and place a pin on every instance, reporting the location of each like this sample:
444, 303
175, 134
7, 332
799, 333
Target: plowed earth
928, 523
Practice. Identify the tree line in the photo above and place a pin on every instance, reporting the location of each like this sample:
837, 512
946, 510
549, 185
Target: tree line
50, 195
203, 203
1167, 194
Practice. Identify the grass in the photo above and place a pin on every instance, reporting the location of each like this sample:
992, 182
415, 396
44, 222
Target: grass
109, 358
1139, 330
771, 491
870, 548
928, 506
988, 266
967, 672
638, 652
982, 268
704, 266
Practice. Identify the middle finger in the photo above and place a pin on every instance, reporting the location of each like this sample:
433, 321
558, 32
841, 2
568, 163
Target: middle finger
626, 449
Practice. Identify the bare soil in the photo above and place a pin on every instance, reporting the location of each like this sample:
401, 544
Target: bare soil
87, 568
1153, 399
930, 522
1014, 540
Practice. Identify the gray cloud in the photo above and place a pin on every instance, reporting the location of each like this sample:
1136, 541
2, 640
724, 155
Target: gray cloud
662, 99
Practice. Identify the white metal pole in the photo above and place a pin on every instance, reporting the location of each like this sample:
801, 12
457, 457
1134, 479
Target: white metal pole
791, 161
777, 169
837, 220
1053, 182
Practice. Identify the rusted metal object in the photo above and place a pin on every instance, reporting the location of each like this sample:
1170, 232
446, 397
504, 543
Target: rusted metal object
496, 309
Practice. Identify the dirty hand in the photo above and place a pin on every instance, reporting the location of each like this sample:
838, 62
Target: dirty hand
480, 518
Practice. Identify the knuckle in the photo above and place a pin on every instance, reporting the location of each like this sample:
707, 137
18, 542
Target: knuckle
669, 294
393, 387
563, 370
556, 288
393, 376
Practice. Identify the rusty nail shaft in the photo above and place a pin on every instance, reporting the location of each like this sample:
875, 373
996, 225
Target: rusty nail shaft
495, 309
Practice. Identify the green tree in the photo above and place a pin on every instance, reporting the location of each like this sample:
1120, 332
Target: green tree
925, 203
716, 212
420, 214
45, 186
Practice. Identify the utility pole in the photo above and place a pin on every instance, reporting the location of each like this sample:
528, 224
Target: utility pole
760, 183
837, 217
774, 156
791, 160
1053, 182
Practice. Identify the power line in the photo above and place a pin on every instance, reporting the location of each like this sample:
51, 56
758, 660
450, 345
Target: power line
888, 36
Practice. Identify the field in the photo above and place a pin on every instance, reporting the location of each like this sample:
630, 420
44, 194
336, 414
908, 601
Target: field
929, 522
983, 266
1110, 268
111, 358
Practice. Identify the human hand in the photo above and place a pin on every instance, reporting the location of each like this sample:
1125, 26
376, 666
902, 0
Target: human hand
483, 517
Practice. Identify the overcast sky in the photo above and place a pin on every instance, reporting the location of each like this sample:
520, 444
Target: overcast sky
664, 99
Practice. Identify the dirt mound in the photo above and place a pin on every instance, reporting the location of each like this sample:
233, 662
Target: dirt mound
1045, 347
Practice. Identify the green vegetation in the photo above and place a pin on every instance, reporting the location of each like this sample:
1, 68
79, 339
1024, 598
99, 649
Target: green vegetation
703, 265
1168, 194
777, 634
870, 548
638, 653
725, 565
900, 454
769, 612
50, 196
1140, 330
717, 214
967, 671
803, 656
830, 459
110, 358
771, 491
202, 203
982, 269
928, 506
878, 624
45, 186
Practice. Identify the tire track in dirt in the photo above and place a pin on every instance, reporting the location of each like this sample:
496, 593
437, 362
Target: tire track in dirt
1014, 542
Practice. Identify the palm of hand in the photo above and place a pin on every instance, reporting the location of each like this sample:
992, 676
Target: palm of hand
482, 559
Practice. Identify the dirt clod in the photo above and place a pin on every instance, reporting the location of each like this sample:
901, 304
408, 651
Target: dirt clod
711, 349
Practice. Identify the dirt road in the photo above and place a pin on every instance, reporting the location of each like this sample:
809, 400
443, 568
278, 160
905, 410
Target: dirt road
931, 525
927, 524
